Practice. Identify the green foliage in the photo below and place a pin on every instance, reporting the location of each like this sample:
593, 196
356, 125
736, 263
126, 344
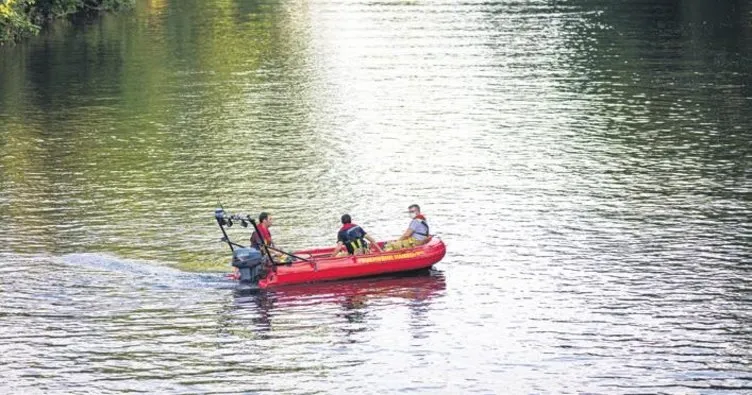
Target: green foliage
58, 8
14, 20
23, 18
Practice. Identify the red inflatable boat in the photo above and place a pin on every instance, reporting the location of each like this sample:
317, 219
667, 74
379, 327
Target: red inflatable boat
314, 265
323, 267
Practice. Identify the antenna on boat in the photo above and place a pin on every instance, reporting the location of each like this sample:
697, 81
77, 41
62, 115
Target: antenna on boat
219, 215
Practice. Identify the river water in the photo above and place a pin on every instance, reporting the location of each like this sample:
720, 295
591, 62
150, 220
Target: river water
587, 163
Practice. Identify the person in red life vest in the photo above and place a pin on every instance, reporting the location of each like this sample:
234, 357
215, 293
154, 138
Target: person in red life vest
264, 222
351, 239
416, 233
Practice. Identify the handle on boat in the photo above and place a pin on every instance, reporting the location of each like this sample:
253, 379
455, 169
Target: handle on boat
288, 254
267, 248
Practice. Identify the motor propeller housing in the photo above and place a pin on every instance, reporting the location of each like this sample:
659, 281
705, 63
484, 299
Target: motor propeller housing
249, 261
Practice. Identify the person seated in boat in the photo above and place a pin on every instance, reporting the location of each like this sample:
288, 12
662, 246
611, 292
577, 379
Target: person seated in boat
351, 239
416, 233
265, 237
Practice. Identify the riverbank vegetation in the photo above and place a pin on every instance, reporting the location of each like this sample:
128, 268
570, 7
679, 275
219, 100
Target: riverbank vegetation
23, 18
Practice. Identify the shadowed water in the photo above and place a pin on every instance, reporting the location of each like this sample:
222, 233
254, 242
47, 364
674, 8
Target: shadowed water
585, 161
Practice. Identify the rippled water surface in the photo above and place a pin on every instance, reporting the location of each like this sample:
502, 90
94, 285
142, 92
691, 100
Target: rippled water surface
587, 163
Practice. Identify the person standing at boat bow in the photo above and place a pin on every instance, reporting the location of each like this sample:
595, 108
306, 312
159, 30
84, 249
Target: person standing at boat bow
416, 233
351, 239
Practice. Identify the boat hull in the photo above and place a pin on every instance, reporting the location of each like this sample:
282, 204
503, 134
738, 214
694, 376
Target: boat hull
323, 267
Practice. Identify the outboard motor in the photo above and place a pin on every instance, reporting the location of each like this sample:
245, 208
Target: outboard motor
249, 262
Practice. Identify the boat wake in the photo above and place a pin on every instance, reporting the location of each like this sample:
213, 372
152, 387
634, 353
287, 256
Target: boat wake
144, 273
